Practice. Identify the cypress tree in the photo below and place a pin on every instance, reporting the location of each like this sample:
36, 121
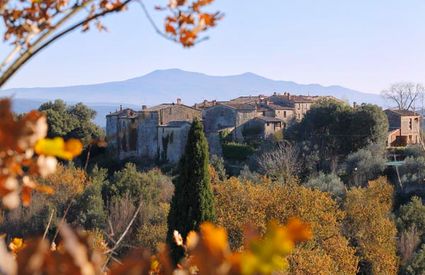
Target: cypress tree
193, 201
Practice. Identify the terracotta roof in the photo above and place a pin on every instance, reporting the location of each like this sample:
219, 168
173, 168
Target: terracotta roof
402, 112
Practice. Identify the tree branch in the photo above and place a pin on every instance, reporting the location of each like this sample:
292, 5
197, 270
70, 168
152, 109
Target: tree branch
31, 52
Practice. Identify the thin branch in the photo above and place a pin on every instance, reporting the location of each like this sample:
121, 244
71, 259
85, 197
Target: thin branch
158, 30
115, 247
48, 224
62, 221
31, 52
152, 22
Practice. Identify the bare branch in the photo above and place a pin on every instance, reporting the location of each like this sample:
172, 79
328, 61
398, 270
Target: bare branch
117, 243
32, 51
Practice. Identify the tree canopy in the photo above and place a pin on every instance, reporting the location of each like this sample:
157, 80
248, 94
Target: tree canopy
71, 121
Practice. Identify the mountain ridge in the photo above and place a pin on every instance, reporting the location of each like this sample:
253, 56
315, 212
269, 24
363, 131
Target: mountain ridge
166, 85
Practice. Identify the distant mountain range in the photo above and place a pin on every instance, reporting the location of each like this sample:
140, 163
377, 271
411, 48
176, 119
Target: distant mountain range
168, 85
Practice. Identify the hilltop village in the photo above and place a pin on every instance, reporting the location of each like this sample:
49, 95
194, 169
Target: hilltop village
160, 132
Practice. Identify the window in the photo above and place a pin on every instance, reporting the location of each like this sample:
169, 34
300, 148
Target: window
410, 124
284, 113
268, 124
171, 111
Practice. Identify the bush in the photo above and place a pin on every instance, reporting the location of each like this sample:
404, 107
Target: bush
329, 183
412, 215
364, 165
237, 151
218, 164
278, 161
417, 265
413, 170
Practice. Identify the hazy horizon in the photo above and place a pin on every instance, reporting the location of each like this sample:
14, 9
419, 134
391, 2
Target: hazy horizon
362, 45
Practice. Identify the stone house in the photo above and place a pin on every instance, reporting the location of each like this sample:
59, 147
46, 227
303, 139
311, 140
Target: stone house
160, 132
156, 133
404, 127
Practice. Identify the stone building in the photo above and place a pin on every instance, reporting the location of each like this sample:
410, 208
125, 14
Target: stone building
160, 132
156, 133
404, 127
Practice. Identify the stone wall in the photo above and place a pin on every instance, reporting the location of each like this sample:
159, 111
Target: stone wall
172, 142
178, 112
218, 118
147, 143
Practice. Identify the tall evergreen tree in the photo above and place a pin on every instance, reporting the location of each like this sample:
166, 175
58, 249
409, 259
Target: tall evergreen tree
193, 201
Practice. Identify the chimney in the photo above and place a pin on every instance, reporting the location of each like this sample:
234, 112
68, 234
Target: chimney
144, 107
179, 101
205, 102
120, 107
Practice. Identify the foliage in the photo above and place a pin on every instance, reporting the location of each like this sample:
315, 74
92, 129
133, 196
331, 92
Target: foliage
412, 215
329, 183
237, 151
408, 242
218, 164
32, 26
89, 206
413, 170
193, 201
73, 121
20, 166
363, 165
334, 130
417, 265
239, 203
207, 252
278, 161
370, 226
247, 175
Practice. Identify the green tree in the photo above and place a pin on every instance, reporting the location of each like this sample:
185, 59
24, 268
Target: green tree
417, 264
89, 207
193, 201
334, 129
412, 215
75, 121
370, 226
363, 165
330, 183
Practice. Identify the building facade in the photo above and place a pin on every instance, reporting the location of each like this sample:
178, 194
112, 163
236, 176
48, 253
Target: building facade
404, 127
156, 133
160, 132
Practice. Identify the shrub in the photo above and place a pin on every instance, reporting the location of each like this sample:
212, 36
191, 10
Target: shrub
329, 183
364, 165
369, 225
237, 151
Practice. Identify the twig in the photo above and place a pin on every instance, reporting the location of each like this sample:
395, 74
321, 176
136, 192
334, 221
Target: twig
48, 224
62, 220
31, 52
115, 247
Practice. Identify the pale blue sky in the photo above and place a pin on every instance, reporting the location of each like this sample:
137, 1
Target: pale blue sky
360, 44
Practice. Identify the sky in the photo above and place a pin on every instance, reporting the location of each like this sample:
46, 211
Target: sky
360, 44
